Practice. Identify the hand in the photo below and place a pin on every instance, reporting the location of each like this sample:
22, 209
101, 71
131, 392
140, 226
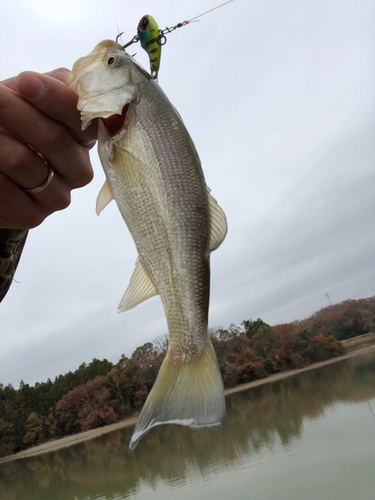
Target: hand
40, 126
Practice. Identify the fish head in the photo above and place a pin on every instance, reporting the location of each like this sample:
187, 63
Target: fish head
105, 81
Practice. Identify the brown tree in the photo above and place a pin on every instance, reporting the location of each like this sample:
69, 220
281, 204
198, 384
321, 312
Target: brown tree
36, 430
86, 407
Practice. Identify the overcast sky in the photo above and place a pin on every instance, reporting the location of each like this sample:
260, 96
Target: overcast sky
279, 99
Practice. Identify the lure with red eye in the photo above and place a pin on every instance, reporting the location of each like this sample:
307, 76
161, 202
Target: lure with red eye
148, 33
152, 38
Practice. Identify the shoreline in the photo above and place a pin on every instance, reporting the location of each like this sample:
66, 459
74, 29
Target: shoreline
131, 421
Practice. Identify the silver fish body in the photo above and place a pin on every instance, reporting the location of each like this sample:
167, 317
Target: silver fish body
154, 173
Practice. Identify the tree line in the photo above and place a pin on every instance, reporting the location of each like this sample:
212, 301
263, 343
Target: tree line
256, 419
101, 393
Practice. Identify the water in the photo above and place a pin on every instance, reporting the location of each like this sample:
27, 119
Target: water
311, 436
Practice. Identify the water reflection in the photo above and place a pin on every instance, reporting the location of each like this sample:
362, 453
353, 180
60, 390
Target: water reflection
258, 420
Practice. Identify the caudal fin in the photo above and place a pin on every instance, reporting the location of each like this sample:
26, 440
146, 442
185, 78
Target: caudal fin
189, 394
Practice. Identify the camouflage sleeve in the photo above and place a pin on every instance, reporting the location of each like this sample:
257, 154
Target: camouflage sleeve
12, 242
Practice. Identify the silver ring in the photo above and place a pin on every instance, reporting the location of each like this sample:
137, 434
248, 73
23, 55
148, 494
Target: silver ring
40, 188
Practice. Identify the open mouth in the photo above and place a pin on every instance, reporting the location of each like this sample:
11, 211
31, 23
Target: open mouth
114, 123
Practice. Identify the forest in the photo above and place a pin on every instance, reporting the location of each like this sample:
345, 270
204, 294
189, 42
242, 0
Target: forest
256, 419
101, 393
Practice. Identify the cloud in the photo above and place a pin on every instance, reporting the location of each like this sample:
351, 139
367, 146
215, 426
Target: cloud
281, 112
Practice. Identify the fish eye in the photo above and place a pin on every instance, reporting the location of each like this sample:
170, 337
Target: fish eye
143, 24
113, 61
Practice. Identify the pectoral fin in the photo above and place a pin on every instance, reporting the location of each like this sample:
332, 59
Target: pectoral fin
140, 289
218, 223
105, 196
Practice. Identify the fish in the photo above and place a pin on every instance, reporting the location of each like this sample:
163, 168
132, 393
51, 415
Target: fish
154, 174
148, 33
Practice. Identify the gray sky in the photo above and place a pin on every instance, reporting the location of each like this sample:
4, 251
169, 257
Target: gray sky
279, 100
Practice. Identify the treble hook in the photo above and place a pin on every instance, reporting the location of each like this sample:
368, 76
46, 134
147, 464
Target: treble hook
135, 39
152, 38
118, 36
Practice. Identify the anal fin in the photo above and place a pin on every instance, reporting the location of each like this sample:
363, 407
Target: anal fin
190, 394
139, 289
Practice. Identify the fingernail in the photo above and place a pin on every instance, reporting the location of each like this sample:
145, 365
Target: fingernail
30, 85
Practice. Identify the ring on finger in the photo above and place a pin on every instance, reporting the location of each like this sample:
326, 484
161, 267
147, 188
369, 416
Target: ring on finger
40, 188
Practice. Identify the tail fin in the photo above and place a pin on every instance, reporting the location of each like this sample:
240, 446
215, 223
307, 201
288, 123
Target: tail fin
189, 394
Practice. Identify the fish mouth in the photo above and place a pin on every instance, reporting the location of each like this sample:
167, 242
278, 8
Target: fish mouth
114, 123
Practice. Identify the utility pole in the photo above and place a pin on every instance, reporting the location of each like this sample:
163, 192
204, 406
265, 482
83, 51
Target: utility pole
329, 300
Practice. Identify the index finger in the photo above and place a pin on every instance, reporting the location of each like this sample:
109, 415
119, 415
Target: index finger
50, 138
55, 99
59, 74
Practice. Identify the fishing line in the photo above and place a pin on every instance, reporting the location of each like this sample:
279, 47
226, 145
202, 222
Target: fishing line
162, 39
152, 38
207, 11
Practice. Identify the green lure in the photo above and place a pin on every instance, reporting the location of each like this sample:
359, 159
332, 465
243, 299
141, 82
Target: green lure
152, 38
148, 33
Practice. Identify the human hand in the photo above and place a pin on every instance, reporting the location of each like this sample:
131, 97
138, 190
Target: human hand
40, 127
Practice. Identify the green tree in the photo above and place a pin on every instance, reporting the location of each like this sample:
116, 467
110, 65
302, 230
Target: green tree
7, 438
256, 327
262, 338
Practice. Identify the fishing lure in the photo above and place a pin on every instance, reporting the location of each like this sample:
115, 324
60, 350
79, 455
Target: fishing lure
152, 38
148, 34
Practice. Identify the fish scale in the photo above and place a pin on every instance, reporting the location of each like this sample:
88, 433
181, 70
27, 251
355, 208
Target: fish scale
182, 184
154, 173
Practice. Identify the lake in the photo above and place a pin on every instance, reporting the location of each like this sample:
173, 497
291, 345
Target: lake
310, 436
